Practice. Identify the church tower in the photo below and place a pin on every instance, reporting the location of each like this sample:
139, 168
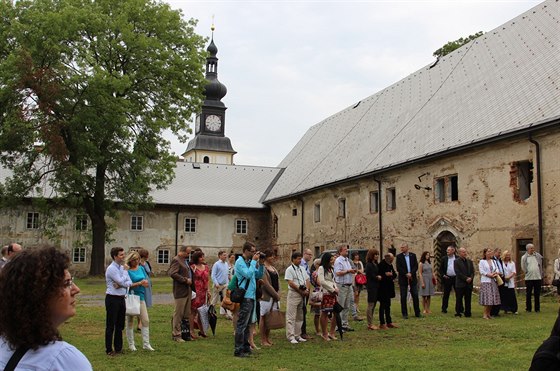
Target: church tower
210, 145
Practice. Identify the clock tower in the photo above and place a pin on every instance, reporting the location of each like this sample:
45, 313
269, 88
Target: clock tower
210, 145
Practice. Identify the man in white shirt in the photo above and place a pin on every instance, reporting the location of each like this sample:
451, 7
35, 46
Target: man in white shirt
531, 264
447, 273
298, 289
118, 281
219, 279
344, 276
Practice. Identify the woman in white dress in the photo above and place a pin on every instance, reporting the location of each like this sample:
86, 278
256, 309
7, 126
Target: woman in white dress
489, 293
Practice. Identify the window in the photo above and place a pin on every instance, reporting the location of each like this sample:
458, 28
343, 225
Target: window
294, 212
275, 227
206, 160
33, 220
524, 172
190, 225
440, 190
342, 208
79, 255
317, 213
391, 199
136, 222
446, 188
163, 256
241, 226
81, 222
374, 202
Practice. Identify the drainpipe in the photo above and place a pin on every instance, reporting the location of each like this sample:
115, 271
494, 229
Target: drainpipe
302, 214
379, 211
539, 192
176, 232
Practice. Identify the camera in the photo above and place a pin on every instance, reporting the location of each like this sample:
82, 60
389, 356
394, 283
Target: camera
302, 287
262, 255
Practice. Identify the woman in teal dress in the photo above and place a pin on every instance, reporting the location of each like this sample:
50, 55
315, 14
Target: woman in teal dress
139, 283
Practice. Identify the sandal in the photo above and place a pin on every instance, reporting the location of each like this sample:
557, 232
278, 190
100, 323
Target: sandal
332, 337
325, 337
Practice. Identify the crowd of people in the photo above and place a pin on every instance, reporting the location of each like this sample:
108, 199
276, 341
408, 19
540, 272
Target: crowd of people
330, 286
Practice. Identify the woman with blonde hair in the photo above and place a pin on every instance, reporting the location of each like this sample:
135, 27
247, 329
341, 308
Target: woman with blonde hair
509, 303
489, 294
140, 281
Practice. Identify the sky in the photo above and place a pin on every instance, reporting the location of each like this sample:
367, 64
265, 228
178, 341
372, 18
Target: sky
288, 65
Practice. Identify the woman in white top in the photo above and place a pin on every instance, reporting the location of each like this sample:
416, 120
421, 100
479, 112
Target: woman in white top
509, 303
489, 293
38, 295
325, 276
556, 278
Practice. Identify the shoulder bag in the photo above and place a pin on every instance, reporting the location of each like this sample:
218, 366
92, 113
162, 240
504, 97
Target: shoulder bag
275, 319
238, 294
132, 304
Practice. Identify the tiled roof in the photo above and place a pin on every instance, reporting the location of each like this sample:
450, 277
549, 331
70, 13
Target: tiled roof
504, 81
217, 185
209, 185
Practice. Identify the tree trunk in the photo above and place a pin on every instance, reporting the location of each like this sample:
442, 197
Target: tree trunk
99, 228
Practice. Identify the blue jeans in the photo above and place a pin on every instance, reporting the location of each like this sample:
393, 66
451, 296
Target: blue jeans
242, 329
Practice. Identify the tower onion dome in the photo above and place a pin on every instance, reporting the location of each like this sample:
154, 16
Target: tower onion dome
214, 89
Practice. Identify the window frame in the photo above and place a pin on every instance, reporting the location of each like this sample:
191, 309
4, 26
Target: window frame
241, 226
374, 206
342, 212
134, 226
317, 213
191, 224
160, 259
391, 198
82, 255
34, 223
80, 219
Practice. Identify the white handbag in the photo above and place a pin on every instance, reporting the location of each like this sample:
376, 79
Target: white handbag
132, 304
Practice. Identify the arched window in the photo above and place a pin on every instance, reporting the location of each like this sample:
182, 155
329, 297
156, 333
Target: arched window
206, 160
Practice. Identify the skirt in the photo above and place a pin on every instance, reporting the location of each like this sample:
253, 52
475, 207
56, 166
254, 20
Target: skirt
328, 302
268, 306
489, 294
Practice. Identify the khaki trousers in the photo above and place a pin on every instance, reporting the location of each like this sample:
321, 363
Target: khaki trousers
182, 311
216, 294
294, 315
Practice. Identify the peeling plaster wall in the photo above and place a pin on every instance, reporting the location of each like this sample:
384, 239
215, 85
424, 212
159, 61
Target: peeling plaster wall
487, 213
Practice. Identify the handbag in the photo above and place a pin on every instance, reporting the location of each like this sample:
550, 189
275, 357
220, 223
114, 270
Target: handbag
337, 308
275, 319
238, 294
499, 280
316, 296
203, 316
185, 330
361, 279
132, 304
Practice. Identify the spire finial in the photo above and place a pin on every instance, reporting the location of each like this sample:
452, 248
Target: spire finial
213, 27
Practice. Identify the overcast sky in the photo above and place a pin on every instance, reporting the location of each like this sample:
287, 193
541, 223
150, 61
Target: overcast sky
288, 65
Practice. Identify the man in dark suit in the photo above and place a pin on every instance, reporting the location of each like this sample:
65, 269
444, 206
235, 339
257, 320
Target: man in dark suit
447, 274
407, 266
181, 274
464, 270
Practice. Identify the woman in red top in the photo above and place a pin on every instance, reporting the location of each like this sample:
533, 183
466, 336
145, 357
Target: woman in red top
200, 274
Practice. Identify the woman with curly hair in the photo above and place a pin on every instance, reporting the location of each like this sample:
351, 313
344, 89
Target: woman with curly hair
140, 281
38, 295
201, 272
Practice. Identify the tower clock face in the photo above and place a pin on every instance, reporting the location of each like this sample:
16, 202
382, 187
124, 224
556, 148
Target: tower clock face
213, 123
197, 124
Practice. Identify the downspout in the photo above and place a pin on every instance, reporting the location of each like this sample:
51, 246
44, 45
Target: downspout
302, 215
380, 219
176, 232
539, 192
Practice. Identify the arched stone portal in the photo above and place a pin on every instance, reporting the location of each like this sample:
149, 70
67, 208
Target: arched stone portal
441, 243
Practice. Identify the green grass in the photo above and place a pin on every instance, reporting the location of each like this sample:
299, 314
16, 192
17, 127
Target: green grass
435, 342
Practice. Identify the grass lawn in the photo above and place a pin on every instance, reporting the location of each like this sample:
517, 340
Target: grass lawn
435, 342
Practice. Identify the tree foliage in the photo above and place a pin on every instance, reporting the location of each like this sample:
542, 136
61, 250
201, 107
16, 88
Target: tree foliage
452, 45
87, 89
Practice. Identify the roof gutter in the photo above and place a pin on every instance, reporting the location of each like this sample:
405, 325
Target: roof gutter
496, 138
539, 192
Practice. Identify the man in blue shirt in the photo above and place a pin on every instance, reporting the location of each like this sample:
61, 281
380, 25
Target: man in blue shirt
247, 269
219, 279
118, 281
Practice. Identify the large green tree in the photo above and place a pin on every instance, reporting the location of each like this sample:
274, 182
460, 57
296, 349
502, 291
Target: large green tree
87, 90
